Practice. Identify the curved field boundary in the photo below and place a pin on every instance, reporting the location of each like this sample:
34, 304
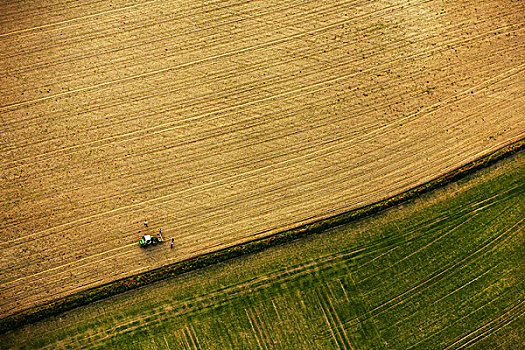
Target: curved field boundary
107, 290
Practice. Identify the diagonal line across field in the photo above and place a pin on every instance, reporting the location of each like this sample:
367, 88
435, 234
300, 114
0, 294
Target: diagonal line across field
168, 36
76, 19
433, 279
492, 326
123, 251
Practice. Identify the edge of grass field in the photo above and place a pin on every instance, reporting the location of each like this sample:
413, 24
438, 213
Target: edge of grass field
58, 306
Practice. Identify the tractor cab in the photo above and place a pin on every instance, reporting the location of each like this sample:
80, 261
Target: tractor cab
148, 240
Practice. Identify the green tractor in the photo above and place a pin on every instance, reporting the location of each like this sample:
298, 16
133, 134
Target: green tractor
148, 240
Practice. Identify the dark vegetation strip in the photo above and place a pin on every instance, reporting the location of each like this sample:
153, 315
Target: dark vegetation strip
132, 282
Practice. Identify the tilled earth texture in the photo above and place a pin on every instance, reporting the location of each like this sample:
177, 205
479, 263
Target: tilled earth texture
225, 121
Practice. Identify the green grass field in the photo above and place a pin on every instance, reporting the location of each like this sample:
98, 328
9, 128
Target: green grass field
444, 271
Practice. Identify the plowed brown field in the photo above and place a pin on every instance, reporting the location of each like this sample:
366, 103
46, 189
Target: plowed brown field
224, 121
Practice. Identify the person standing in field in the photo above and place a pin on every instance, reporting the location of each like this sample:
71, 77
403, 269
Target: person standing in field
146, 222
172, 243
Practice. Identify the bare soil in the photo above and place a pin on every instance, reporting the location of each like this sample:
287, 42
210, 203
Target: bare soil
225, 121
